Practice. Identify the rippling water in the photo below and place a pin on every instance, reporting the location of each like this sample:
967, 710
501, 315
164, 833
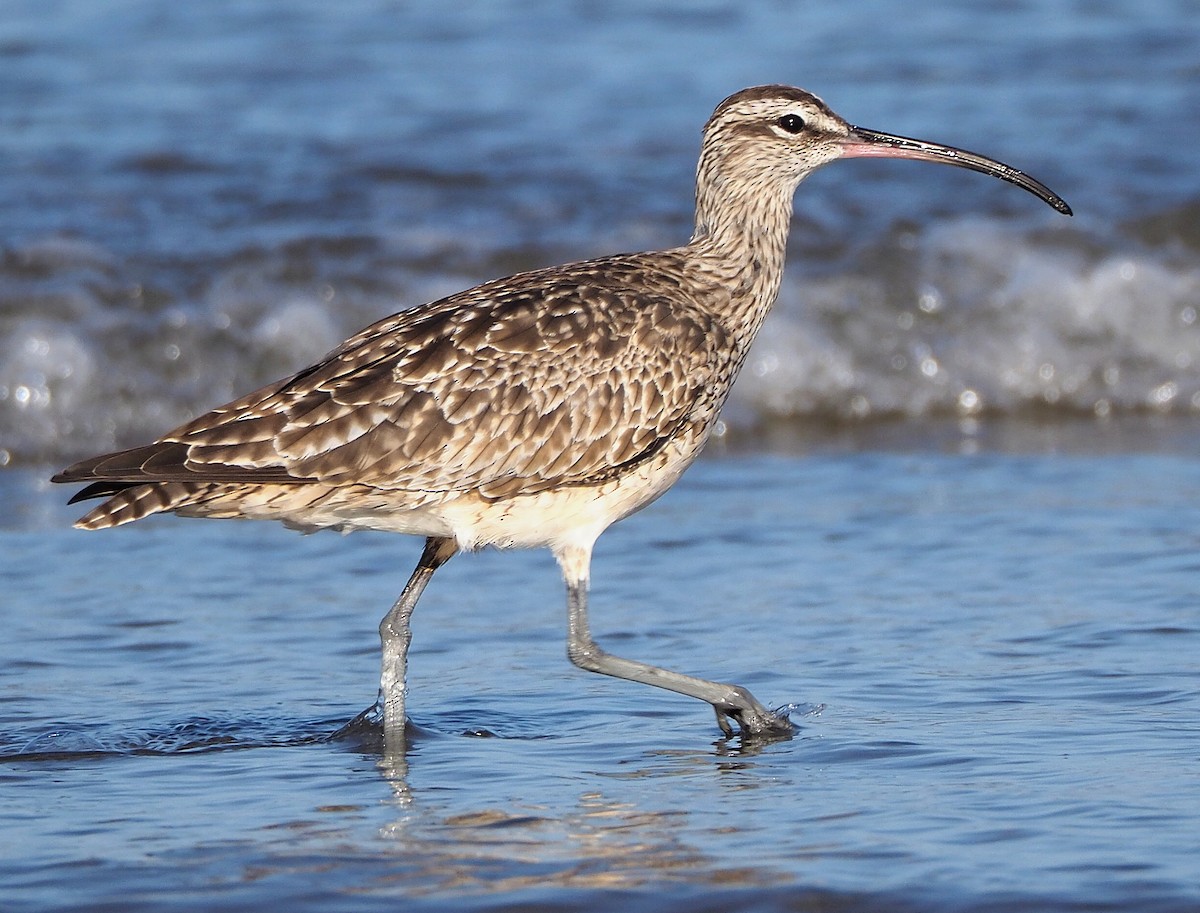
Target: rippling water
952, 517
994, 660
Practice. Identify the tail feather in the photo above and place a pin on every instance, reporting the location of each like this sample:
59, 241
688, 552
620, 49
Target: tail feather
131, 502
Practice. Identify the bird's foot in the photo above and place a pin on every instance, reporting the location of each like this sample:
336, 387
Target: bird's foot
376, 718
371, 718
753, 719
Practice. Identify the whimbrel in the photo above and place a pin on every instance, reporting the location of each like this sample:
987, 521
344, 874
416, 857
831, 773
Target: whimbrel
535, 410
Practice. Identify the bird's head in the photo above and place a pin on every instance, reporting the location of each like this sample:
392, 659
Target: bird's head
776, 135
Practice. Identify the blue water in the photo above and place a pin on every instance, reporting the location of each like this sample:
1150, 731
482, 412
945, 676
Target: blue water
950, 513
995, 660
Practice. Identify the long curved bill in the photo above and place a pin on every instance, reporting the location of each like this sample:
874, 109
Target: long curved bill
863, 143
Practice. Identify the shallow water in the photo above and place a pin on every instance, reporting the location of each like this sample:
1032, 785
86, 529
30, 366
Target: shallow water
994, 660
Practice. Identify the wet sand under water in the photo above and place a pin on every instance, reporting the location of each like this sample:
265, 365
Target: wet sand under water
995, 660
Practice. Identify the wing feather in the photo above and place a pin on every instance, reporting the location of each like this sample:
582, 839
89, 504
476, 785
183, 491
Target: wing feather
547, 378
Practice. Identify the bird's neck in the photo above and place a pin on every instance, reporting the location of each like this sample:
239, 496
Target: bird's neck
740, 240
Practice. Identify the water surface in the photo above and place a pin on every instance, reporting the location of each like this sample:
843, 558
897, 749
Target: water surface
993, 658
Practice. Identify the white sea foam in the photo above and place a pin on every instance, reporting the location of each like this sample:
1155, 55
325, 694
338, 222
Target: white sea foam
970, 318
984, 319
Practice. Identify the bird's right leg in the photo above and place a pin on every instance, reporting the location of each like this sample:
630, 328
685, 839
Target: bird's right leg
731, 702
395, 636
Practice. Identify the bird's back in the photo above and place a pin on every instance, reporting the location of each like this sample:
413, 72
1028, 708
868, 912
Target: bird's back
555, 379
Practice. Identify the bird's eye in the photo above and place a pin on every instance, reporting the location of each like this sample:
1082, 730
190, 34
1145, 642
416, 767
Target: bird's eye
792, 123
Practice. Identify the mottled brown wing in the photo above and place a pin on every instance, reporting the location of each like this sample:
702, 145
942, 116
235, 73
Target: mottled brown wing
551, 378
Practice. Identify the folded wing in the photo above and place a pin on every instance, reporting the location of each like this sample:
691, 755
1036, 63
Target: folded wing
561, 378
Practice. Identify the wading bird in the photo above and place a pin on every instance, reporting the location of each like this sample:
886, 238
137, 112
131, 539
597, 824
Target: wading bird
535, 410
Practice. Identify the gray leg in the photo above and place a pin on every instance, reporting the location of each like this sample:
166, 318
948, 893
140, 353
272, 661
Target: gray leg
729, 701
395, 636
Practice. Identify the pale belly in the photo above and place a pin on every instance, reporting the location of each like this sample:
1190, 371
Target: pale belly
566, 514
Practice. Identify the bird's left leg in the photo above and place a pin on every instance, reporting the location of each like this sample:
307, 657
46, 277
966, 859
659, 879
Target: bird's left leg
395, 636
731, 702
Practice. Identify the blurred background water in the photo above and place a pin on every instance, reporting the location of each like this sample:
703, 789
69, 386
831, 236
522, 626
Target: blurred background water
953, 505
198, 198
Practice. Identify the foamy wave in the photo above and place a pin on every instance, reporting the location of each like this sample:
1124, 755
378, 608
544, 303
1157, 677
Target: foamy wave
970, 318
983, 318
